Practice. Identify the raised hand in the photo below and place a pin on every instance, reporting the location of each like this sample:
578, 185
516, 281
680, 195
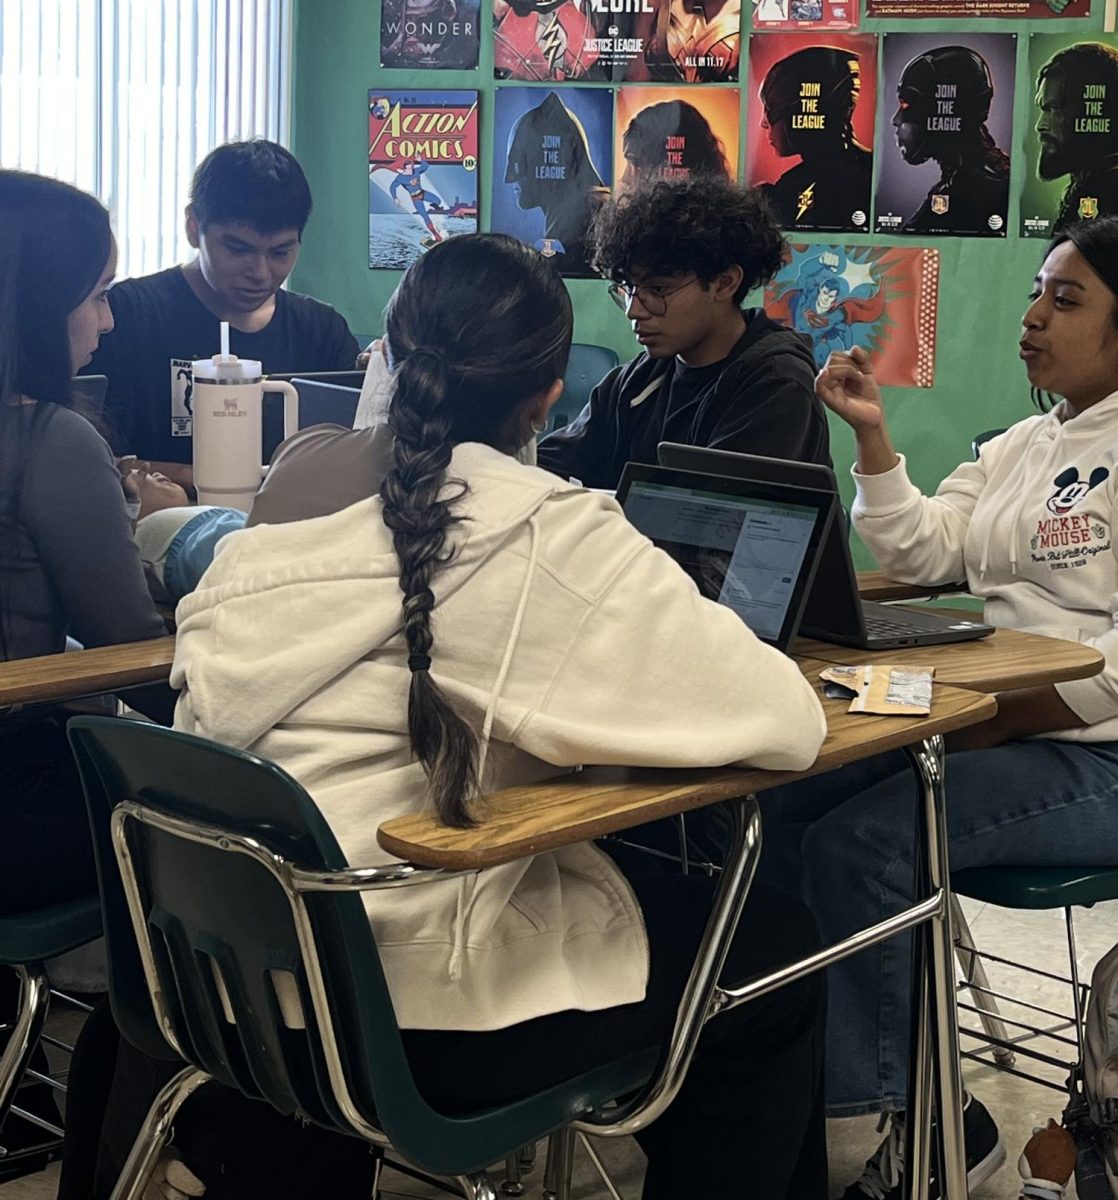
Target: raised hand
847, 386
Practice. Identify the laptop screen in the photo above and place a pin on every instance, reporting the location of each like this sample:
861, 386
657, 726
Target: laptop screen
751, 548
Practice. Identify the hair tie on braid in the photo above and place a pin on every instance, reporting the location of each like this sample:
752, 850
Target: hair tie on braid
419, 662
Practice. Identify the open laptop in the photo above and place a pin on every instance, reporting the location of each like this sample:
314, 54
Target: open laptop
750, 546
325, 398
834, 611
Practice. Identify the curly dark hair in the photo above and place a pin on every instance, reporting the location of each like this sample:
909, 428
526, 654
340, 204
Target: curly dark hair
674, 226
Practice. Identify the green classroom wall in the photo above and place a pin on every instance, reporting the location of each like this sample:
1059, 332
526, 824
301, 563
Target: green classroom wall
979, 381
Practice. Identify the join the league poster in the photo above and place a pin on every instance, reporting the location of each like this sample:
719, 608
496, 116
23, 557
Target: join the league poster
944, 151
811, 116
881, 298
552, 168
634, 41
422, 172
675, 133
1071, 140
429, 35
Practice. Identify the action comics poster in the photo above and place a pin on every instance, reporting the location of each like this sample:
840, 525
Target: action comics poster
429, 35
944, 152
1017, 9
422, 172
675, 133
1071, 139
626, 41
882, 298
811, 105
552, 168
805, 14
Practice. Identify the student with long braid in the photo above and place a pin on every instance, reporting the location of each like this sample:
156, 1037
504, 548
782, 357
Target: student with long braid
471, 622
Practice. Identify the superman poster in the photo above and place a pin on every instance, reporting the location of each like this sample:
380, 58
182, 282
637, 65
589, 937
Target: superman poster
631, 41
429, 35
675, 133
944, 141
552, 168
811, 112
422, 172
882, 298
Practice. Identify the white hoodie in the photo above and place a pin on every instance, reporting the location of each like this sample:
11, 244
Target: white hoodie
1030, 527
556, 620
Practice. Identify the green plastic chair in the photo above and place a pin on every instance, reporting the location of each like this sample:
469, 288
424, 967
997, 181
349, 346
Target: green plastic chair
234, 901
586, 367
27, 941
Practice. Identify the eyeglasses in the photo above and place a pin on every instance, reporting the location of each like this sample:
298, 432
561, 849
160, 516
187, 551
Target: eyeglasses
653, 297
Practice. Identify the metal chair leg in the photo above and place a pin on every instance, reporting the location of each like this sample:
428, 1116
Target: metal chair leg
476, 1187
600, 1167
528, 1156
512, 1186
34, 1000
560, 1165
156, 1129
1077, 989
978, 983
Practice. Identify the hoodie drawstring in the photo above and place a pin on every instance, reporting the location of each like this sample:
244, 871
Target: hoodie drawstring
467, 884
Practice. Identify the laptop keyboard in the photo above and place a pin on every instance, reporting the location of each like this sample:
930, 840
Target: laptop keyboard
890, 627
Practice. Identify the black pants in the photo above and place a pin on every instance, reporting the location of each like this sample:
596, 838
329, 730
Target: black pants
46, 855
747, 1122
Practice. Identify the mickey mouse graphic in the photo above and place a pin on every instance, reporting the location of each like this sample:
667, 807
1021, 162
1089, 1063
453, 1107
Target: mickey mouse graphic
1070, 489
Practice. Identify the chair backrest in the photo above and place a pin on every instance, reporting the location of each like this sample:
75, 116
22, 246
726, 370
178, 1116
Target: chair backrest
980, 439
586, 368
224, 941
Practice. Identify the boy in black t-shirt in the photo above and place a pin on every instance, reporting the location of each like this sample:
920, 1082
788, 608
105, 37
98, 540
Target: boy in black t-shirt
683, 255
249, 202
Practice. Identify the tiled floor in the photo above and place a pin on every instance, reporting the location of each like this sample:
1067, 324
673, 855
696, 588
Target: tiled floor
1016, 1105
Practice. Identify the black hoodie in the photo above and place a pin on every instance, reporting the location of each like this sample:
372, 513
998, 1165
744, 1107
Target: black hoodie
762, 402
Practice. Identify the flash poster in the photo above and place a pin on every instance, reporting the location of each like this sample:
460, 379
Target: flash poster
675, 133
810, 15
552, 168
881, 298
624, 41
1071, 139
422, 172
1021, 10
945, 134
811, 115
429, 35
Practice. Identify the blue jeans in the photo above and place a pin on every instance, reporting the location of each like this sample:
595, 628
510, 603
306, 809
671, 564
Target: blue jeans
844, 841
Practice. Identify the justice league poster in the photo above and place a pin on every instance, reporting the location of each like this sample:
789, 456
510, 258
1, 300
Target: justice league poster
552, 168
811, 115
675, 133
882, 298
1071, 139
632, 41
422, 172
945, 134
1018, 9
805, 14
429, 35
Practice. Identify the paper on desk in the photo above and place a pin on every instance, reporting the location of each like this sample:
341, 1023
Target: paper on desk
883, 690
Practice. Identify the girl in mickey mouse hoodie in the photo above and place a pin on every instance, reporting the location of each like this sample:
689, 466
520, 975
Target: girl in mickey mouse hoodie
1030, 526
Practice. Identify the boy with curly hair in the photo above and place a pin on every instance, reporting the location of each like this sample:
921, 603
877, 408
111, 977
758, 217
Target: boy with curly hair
683, 255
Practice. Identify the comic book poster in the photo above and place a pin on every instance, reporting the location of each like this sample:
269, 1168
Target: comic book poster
422, 172
552, 168
633, 41
811, 109
944, 140
429, 35
675, 133
805, 14
1018, 9
882, 298
1071, 139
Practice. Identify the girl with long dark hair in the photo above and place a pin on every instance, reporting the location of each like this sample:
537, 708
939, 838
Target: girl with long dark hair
470, 622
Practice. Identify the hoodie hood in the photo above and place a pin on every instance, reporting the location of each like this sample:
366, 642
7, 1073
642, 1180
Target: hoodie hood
339, 571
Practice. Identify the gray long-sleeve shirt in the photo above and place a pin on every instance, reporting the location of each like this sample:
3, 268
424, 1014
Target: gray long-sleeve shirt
69, 564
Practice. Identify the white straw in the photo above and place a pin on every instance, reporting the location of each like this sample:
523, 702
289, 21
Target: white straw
224, 339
